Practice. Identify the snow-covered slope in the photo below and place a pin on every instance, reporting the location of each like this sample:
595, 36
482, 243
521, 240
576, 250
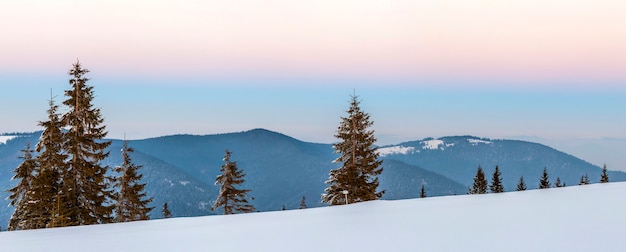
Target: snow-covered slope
578, 218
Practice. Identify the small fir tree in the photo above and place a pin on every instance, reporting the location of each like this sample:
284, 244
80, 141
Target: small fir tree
584, 180
283, 208
604, 178
131, 202
558, 183
423, 192
480, 183
496, 182
231, 199
166, 211
303, 203
544, 182
521, 185
360, 166
21, 193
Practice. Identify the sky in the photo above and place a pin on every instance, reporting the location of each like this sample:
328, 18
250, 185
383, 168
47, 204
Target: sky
552, 71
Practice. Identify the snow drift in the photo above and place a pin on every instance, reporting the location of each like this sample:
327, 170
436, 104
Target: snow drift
577, 218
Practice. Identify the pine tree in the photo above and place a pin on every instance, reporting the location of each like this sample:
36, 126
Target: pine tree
85, 189
303, 203
423, 192
558, 183
521, 185
496, 182
605, 177
584, 180
231, 199
47, 176
480, 183
166, 211
283, 208
360, 166
544, 182
130, 202
20, 194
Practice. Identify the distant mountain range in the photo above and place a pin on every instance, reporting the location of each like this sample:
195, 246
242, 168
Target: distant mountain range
181, 169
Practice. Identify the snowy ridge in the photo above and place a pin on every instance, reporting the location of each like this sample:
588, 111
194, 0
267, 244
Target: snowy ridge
393, 150
537, 220
474, 141
5, 139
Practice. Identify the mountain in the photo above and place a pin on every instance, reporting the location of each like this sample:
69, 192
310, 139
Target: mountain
181, 169
458, 158
579, 218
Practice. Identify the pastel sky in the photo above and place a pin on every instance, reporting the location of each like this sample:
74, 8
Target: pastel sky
552, 70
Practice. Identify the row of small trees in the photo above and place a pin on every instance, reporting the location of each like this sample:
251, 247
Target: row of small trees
66, 184
480, 185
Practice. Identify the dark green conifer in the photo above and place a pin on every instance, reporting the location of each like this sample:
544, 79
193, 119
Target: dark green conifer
360, 166
131, 202
584, 180
166, 211
21, 193
544, 182
496, 182
303, 203
558, 183
604, 178
231, 199
521, 185
423, 192
480, 183
85, 189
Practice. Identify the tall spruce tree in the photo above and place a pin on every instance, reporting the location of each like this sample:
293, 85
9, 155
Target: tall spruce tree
131, 201
48, 175
85, 189
231, 199
544, 182
360, 166
496, 182
423, 192
21, 193
480, 183
521, 185
166, 211
584, 180
604, 178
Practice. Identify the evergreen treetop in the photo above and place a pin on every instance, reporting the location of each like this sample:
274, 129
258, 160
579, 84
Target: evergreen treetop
496, 182
604, 178
20, 194
423, 192
521, 185
166, 211
303, 203
544, 182
480, 183
584, 180
360, 166
131, 204
558, 183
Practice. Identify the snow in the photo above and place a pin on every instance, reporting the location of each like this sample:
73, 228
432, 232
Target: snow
184, 182
5, 139
432, 144
395, 150
478, 141
578, 218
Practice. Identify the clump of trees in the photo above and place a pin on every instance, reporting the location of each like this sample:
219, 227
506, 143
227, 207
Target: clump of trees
66, 184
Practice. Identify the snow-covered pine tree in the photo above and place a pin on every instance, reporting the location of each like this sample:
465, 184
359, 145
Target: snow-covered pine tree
231, 199
584, 180
131, 202
480, 183
20, 194
496, 182
47, 179
521, 185
604, 178
85, 190
423, 192
358, 174
558, 183
303, 203
544, 182
166, 211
